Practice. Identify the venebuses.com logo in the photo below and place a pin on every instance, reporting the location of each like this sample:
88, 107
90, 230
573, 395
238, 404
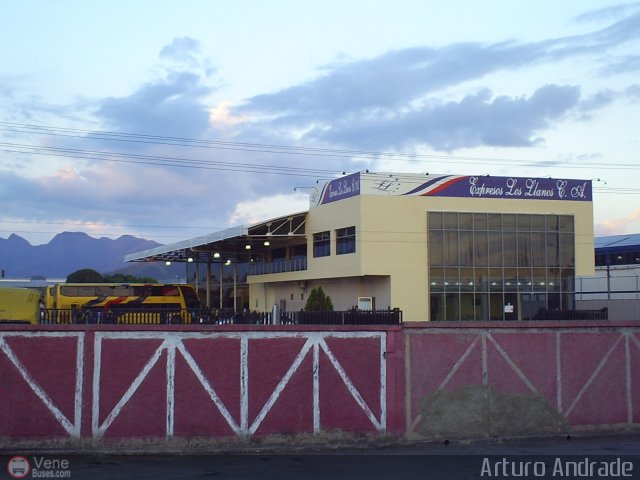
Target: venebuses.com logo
18, 467
38, 467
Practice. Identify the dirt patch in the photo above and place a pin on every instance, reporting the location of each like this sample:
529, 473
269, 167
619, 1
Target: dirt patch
480, 411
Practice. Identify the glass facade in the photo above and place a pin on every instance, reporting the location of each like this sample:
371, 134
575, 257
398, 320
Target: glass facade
491, 266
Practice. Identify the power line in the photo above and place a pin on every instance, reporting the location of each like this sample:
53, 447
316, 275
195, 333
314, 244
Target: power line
225, 166
165, 161
182, 141
285, 149
257, 168
214, 165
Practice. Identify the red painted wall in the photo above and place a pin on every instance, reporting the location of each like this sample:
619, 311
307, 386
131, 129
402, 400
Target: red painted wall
589, 372
123, 382
114, 383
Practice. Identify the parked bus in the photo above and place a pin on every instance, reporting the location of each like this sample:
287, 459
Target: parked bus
119, 303
19, 305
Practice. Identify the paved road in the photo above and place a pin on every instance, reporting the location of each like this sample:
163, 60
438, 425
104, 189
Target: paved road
592, 457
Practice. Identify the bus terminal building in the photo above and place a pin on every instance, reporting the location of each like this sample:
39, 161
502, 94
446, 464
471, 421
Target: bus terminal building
437, 247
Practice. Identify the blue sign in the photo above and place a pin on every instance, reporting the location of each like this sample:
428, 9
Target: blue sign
528, 188
341, 188
461, 186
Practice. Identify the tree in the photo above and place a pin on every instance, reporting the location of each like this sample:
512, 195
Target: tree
85, 275
318, 301
127, 278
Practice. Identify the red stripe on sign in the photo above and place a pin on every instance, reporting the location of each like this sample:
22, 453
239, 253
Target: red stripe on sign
443, 186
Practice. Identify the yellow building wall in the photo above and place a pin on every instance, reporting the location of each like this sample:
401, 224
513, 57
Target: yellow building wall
394, 231
344, 292
330, 217
391, 241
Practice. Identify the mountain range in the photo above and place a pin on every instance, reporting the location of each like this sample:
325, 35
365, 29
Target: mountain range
71, 251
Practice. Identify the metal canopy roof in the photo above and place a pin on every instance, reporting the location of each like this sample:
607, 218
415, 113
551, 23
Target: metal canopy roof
230, 243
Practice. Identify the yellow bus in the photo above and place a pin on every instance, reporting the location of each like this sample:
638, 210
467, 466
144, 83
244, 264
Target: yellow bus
19, 305
120, 303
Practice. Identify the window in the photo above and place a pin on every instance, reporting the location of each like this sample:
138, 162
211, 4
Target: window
617, 256
345, 240
492, 266
321, 244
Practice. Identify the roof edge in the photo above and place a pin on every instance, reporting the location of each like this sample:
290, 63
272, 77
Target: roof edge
190, 243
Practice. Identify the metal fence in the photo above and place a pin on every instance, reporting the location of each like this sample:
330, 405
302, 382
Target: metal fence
119, 316
227, 316
599, 314
206, 316
348, 317
610, 285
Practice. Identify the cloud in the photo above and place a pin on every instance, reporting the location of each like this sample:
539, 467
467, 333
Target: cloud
619, 32
172, 106
389, 81
182, 50
597, 101
628, 64
7, 87
617, 226
401, 100
253, 211
608, 13
390, 101
105, 192
115, 193
221, 116
476, 120
633, 92
605, 97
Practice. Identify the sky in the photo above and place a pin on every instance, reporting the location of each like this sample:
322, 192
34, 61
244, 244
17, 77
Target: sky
169, 120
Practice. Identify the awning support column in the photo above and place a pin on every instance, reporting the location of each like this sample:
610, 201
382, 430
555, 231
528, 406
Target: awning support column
235, 286
221, 282
208, 286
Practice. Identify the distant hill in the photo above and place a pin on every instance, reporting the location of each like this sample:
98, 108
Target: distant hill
71, 251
